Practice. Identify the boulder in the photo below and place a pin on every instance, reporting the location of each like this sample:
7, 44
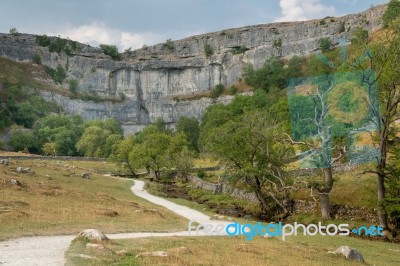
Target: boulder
24, 170
91, 234
85, 175
14, 182
4, 162
349, 253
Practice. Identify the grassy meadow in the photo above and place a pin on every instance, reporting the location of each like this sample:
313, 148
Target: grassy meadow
57, 200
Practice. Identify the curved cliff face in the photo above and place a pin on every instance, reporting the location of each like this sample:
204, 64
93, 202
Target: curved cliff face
146, 80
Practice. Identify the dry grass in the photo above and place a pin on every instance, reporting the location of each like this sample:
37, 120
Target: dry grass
350, 188
56, 200
297, 250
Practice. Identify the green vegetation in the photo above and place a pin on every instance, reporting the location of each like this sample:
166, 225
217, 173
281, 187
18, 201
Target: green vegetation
14, 31
100, 138
37, 59
58, 45
58, 74
217, 91
55, 200
208, 50
73, 85
342, 27
359, 36
169, 44
21, 106
325, 44
111, 50
239, 49
189, 126
392, 12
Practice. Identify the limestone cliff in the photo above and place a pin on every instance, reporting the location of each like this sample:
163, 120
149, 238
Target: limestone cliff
142, 86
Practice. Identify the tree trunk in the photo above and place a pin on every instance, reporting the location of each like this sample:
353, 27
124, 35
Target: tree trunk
324, 194
260, 196
324, 205
382, 216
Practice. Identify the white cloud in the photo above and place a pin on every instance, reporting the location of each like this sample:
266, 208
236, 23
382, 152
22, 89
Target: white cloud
98, 33
297, 10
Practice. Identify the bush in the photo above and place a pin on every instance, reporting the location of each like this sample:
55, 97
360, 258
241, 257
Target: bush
392, 12
43, 40
342, 27
201, 174
232, 90
240, 49
325, 44
169, 44
208, 50
37, 59
111, 50
14, 31
359, 36
73, 85
58, 75
217, 91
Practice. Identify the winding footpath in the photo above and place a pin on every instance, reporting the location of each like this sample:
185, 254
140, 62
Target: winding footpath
50, 250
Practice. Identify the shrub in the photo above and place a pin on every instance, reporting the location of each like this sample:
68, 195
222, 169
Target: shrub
240, 49
111, 50
392, 12
322, 22
73, 85
37, 59
342, 27
325, 44
359, 36
169, 44
232, 90
58, 75
201, 174
208, 50
43, 40
14, 31
277, 43
217, 91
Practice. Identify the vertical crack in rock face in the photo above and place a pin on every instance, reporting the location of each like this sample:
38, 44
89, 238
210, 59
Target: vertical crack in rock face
146, 83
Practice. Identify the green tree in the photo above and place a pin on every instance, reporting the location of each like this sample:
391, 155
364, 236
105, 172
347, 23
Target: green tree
271, 75
99, 138
111, 50
63, 130
189, 126
23, 140
50, 148
392, 12
121, 154
252, 149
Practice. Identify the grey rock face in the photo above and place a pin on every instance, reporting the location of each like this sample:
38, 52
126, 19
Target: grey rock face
142, 87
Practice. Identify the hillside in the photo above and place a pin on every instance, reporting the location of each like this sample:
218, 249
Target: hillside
148, 83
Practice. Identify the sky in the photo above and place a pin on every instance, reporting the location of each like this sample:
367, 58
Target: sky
134, 23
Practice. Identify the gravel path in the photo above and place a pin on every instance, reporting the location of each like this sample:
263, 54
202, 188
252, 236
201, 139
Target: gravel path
49, 250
